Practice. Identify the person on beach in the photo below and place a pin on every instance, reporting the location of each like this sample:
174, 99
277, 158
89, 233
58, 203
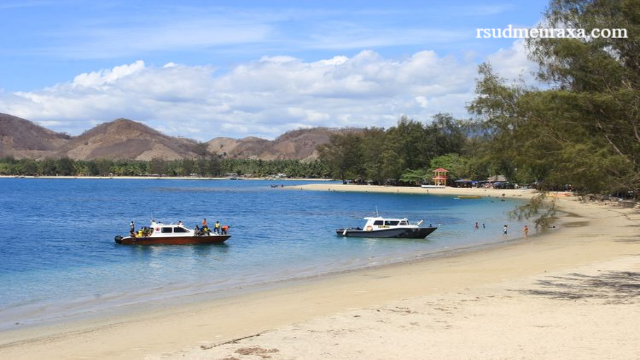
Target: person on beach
476, 225
484, 227
526, 231
504, 230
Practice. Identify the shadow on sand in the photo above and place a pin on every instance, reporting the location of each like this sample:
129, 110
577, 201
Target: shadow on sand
614, 287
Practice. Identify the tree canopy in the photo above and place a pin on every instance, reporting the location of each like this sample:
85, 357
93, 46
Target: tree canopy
401, 153
583, 129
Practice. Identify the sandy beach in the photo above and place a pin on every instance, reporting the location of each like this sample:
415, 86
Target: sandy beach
570, 292
484, 192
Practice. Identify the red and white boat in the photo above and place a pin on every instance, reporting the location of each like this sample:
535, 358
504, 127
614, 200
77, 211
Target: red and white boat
170, 234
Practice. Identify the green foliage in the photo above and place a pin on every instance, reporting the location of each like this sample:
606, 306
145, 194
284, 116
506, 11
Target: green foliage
65, 167
5, 169
343, 155
157, 166
47, 167
415, 177
457, 165
538, 205
211, 166
399, 153
584, 130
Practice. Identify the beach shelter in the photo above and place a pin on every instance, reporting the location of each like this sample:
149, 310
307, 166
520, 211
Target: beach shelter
440, 176
464, 182
496, 178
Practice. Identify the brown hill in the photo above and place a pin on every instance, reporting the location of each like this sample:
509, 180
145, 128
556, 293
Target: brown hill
126, 139
296, 144
21, 138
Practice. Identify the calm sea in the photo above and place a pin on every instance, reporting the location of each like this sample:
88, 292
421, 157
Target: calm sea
58, 257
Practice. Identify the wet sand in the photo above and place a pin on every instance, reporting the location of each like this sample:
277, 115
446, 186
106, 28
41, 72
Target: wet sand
572, 292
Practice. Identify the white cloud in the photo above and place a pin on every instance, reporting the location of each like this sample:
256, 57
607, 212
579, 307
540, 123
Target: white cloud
422, 101
108, 76
265, 97
513, 63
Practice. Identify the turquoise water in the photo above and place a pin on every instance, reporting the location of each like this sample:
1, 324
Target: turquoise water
58, 257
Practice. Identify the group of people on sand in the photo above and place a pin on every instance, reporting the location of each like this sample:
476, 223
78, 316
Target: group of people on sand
505, 229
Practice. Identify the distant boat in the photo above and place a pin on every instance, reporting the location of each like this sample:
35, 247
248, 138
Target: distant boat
469, 197
162, 234
379, 227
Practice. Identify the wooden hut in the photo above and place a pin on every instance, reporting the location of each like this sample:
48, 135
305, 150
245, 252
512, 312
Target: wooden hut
440, 176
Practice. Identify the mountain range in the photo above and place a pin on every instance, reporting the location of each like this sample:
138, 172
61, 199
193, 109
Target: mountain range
127, 139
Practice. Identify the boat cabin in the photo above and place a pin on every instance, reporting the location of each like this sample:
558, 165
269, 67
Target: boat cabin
379, 222
167, 230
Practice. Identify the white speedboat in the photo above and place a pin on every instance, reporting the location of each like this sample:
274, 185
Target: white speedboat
379, 227
170, 234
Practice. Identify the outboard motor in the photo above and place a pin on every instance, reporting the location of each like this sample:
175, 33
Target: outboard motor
118, 239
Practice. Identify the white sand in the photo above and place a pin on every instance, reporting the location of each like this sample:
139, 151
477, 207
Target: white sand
487, 304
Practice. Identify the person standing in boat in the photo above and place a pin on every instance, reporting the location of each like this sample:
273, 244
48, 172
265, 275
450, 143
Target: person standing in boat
225, 228
132, 227
216, 228
205, 227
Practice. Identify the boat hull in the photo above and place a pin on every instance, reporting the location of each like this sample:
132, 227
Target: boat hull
174, 240
415, 233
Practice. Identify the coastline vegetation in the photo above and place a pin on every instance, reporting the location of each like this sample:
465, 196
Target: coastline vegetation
578, 127
210, 166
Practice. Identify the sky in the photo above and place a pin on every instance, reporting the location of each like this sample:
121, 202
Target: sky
205, 69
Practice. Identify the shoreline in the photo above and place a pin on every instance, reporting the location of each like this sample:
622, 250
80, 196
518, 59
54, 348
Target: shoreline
210, 322
188, 297
409, 190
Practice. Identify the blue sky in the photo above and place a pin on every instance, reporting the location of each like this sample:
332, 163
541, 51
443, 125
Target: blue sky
130, 49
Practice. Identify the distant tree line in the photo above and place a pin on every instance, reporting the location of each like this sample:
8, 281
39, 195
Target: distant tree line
405, 153
209, 166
